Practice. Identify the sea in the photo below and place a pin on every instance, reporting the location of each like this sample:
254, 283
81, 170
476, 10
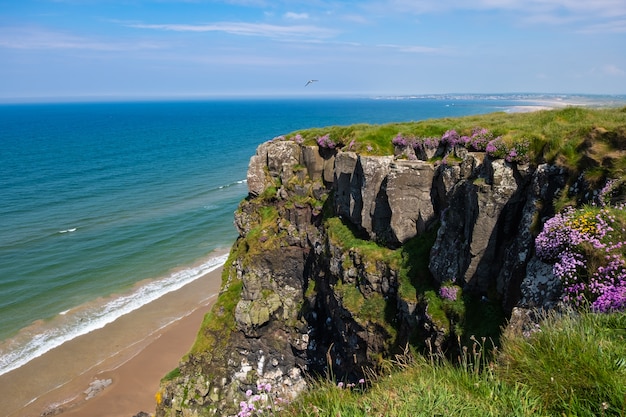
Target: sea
107, 206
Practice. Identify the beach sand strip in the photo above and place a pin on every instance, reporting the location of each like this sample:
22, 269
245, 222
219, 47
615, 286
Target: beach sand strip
114, 371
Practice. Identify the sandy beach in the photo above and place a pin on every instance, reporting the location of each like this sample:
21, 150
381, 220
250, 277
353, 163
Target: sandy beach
114, 371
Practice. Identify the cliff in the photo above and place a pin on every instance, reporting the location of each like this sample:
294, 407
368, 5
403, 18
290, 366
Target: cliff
347, 253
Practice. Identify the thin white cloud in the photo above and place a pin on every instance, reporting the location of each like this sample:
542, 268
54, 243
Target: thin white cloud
605, 8
39, 38
587, 15
614, 26
355, 18
416, 49
245, 29
613, 70
296, 16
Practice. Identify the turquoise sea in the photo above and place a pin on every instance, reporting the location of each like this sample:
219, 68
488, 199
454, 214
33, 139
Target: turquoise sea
106, 206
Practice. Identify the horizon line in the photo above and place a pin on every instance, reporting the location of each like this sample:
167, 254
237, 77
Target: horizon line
95, 98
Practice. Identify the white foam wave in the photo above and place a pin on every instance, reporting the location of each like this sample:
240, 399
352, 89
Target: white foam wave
68, 230
94, 319
232, 183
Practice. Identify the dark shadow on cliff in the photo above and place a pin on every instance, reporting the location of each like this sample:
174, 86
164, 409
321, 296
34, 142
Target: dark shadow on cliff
487, 306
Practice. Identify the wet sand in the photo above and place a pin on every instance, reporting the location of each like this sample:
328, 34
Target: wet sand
119, 366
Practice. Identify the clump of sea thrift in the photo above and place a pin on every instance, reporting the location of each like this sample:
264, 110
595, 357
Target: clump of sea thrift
262, 403
496, 148
352, 385
587, 249
326, 142
480, 140
402, 141
451, 137
449, 292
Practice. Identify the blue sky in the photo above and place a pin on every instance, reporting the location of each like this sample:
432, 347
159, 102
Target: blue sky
197, 48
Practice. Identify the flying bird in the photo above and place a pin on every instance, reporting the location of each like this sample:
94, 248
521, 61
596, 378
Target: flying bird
309, 82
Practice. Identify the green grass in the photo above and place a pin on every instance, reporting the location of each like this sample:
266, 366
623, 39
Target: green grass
220, 321
344, 237
574, 366
414, 276
171, 375
554, 136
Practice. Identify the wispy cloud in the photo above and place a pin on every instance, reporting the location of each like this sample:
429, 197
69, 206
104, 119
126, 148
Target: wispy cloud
244, 29
40, 38
614, 26
296, 16
598, 15
415, 49
613, 70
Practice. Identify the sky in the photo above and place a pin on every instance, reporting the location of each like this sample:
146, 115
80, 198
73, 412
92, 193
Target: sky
210, 48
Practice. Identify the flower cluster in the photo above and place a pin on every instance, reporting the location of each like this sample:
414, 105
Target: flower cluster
451, 137
449, 292
586, 247
417, 144
481, 140
298, 139
605, 194
496, 148
326, 142
402, 141
261, 403
351, 385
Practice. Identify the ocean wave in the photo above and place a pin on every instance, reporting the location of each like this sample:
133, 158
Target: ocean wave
232, 184
73, 323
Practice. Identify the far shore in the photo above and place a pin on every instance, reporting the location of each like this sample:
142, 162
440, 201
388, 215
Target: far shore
114, 371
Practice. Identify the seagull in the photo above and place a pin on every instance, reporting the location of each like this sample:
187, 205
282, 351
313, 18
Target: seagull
309, 82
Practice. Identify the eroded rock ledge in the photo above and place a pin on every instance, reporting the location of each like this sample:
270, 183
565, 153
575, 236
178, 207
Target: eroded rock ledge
306, 298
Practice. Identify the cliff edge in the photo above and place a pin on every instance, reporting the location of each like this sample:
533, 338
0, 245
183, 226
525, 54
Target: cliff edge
346, 255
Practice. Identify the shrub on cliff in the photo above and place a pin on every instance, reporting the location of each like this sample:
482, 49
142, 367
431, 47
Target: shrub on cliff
587, 247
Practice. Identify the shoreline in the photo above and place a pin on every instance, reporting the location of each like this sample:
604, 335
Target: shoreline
115, 370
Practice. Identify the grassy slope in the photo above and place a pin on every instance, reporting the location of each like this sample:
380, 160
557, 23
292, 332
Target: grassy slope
574, 366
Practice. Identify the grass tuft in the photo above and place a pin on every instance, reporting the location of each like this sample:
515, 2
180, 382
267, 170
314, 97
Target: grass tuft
574, 366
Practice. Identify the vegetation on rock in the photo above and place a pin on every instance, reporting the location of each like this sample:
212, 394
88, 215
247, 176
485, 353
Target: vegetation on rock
324, 278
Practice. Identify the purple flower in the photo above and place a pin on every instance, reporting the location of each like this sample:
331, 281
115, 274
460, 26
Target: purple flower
613, 299
586, 252
479, 139
606, 191
449, 293
451, 137
430, 143
325, 142
400, 140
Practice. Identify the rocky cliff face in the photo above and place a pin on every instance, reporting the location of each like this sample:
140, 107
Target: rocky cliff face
327, 272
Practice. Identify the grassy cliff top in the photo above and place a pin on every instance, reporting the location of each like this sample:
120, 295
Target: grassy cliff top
552, 136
